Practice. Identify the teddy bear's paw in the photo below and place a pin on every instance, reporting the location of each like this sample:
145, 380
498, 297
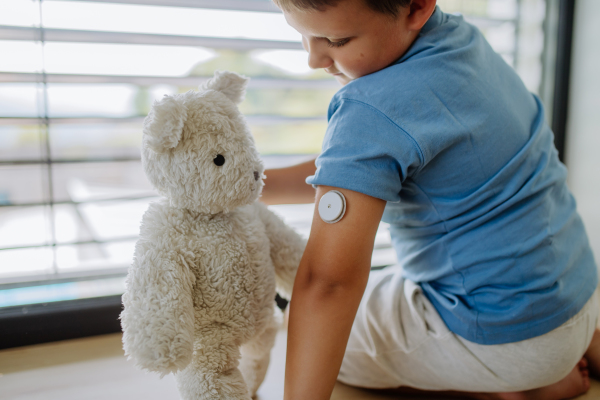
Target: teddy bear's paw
228, 385
159, 356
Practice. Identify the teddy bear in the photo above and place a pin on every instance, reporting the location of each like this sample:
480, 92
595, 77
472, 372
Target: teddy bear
200, 294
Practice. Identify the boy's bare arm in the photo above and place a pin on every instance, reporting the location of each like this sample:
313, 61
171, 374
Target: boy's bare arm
288, 186
328, 288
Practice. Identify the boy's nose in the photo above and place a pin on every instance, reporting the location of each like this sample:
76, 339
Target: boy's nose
317, 56
317, 60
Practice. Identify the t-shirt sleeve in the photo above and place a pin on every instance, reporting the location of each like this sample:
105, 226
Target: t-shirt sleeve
366, 152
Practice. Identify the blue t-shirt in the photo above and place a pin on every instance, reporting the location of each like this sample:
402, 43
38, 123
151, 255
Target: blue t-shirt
480, 213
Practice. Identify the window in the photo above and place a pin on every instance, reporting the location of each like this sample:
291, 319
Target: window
583, 122
83, 74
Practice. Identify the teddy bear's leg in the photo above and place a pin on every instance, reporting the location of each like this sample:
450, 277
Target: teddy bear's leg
213, 374
256, 355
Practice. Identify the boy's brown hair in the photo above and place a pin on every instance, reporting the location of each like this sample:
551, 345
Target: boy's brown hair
388, 7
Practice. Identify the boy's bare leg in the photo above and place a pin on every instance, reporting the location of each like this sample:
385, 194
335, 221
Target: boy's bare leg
593, 355
574, 384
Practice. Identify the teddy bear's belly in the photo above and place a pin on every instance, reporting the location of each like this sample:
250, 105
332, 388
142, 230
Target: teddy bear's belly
235, 284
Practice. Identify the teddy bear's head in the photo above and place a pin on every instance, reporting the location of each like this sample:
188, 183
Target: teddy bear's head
197, 149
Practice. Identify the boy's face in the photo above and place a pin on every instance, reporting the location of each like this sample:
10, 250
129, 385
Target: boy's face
350, 40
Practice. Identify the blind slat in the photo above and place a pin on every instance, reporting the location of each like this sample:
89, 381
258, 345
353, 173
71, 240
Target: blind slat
68, 35
62, 202
252, 119
62, 276
255, 83
237, 5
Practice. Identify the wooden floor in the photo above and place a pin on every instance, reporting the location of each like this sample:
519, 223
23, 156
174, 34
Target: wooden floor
95, 369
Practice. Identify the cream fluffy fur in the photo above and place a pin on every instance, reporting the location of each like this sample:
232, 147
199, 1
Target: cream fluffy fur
199, 300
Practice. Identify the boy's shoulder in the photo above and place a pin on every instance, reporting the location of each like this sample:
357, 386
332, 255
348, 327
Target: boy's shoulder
442, 36
450, 65
448, 85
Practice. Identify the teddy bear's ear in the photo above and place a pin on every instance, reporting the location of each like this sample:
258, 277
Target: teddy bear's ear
164, 125
230, 84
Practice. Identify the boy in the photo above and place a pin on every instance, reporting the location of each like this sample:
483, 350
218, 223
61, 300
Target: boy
436, 134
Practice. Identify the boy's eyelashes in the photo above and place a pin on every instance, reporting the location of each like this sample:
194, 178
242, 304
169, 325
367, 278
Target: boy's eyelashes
338, 43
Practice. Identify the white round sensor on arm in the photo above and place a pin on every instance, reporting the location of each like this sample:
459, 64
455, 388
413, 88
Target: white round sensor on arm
332, 206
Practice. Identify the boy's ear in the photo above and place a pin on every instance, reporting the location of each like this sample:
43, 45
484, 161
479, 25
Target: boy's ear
230, 84
163, 127
420, 11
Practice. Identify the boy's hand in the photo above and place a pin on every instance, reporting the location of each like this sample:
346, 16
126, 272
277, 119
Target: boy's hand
328, 288
288, 186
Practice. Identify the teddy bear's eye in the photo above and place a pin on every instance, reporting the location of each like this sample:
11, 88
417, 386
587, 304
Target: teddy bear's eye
219, 160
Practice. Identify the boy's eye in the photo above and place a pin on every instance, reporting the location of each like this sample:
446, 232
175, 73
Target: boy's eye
339, 43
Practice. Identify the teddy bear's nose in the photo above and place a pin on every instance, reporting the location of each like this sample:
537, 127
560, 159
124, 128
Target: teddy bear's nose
256, 175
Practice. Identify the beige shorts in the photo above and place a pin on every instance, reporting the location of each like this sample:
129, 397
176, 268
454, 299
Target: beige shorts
399, 339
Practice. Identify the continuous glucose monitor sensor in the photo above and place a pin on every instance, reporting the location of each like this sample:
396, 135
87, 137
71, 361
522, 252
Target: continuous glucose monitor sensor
332, 206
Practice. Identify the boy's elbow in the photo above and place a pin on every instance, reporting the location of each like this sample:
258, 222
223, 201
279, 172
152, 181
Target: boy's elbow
323, 286
329, 284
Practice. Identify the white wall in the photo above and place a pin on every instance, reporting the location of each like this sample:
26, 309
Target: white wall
583, 125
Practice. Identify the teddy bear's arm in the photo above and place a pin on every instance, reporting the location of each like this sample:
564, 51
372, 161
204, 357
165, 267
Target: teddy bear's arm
158, 315
287, 248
